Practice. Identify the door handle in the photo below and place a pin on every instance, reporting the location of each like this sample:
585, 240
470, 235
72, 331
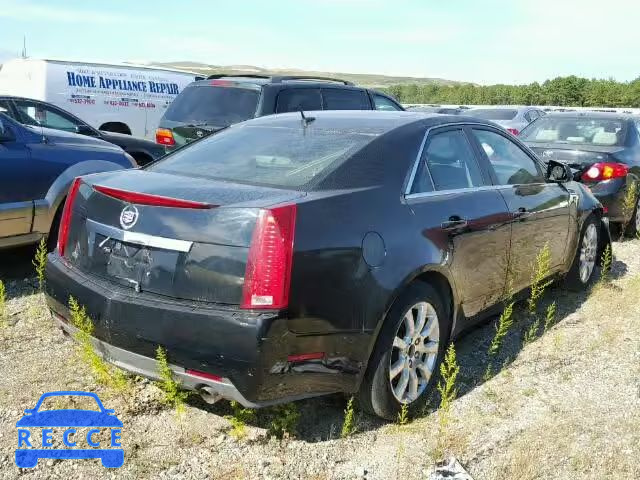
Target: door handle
454, 223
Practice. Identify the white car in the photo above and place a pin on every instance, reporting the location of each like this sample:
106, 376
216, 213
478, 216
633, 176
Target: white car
128, 99
512, 119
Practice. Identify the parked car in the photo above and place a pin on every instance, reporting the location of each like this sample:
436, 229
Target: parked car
37, 165
121, 98
440, 110
36, 113
513, 119
603, 148
209, 105
297, 255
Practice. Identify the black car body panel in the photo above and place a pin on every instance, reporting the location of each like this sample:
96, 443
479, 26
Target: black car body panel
143, 151
361, 236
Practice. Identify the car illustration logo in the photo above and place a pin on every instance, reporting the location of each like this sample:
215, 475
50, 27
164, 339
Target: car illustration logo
128, 217
78, 445
199, 133
547, 153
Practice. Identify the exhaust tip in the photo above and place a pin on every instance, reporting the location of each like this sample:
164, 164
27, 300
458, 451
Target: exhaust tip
209, 395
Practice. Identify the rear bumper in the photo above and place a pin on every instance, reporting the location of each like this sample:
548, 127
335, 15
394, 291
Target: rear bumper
611, 194
248, 350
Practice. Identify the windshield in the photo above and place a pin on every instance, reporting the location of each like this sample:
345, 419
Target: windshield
278, 157
216, 106
494, 113
594, 131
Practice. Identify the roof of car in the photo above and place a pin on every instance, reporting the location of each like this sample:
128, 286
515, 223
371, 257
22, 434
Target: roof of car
371, 121
593, 114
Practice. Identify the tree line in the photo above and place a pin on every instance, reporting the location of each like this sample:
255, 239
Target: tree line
569, 91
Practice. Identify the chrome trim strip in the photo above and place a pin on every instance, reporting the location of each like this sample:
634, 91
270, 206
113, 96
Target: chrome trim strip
456, 190
139, 238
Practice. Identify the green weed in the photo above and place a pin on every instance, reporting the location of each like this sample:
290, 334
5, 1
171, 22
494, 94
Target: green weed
605, 265
284, 421
449, 370
172, 394
403, 414
550, 316
239, 419
104, 374
539, 278
3, 306
349, 424
40, 262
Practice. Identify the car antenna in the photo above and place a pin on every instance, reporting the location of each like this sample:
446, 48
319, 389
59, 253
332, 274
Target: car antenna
306, 120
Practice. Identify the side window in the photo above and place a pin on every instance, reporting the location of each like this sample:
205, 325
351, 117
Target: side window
5, 107
510, 163
33, 113
383, 103
344, 99
296, 99
447, 163
531, 115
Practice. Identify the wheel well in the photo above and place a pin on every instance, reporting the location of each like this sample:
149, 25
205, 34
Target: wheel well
116, 127
441, 284
141, 158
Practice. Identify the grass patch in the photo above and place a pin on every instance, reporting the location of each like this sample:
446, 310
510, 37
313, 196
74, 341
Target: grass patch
239, 419
284, 421
449, 370
173, 395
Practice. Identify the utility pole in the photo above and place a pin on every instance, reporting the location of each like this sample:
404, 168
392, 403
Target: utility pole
24, 46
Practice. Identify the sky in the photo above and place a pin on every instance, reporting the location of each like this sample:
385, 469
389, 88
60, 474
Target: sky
480, 41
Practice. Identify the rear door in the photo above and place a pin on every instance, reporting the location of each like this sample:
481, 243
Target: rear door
540, 210
462, 214
296, 99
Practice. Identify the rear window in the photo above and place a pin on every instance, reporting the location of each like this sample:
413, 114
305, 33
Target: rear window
593, 131
214, 106
343, 99
494, 113
280, 157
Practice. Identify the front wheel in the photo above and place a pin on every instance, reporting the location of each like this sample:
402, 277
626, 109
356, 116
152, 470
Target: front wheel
408, 352
584, 262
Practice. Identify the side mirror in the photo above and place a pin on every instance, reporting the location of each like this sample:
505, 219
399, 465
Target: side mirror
83, 129
558, 172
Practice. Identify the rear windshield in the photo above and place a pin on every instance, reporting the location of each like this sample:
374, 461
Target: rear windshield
278, 157
594, 131
494, 113
214, 106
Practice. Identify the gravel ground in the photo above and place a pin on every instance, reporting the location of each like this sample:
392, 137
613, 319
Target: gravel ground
565, 406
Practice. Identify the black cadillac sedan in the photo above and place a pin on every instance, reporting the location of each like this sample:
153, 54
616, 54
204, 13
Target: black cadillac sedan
302, 254
604, 151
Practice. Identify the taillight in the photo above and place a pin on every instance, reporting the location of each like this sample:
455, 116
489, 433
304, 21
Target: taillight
65, 220
605, 171
267, 277
149, 199
164, 136
514, 131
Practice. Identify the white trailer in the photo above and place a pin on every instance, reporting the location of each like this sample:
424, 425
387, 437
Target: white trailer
119, 98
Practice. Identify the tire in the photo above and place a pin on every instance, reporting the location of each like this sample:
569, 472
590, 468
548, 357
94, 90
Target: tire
381, 392
583, 267
634, 223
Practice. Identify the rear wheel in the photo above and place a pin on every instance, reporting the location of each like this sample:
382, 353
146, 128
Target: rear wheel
584, 262
409, 349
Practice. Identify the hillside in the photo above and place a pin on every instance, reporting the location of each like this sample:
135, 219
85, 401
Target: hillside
366, 79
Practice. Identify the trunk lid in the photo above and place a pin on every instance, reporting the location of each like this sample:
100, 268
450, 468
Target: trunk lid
182, 252
572, 154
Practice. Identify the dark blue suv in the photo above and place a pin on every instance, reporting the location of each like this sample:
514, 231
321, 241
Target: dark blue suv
37, 166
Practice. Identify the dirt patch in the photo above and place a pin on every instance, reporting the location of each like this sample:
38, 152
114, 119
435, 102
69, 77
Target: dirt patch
564, 406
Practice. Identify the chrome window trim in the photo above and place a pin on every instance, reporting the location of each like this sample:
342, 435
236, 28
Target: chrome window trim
416, 162
139, 238
436, 193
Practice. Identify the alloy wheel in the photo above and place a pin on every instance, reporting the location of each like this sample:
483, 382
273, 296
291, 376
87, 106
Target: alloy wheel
414, 352
588, 252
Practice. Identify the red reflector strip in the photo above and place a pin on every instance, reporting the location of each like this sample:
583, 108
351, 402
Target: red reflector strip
605, 209
302, 357
221, 83
208, 376
153, 200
